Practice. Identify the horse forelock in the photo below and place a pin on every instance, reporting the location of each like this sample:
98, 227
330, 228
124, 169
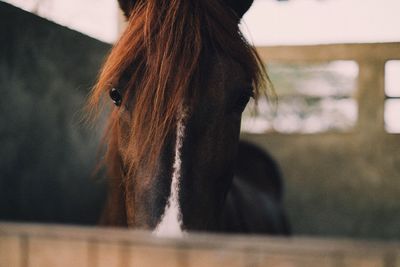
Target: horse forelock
161, 52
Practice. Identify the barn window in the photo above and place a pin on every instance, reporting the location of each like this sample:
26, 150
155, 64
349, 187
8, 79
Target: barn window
392, 92
312, 98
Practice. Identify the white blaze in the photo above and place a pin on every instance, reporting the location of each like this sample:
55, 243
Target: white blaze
171, 221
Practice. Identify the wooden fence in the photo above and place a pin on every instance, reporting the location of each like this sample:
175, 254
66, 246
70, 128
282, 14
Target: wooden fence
371, 59
25, 245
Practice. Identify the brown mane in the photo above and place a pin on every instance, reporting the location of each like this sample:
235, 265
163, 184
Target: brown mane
161, 53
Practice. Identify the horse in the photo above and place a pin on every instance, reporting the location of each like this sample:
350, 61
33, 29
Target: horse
258, 183
180, 77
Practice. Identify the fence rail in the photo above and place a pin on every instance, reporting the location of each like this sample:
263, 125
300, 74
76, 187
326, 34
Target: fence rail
27, 245
357, 52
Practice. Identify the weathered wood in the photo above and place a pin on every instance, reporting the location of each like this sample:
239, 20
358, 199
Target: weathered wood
53, 246
149, 256
63, 252
293, 260
107, 254
371, 93
216, 258
307, 53
10, 251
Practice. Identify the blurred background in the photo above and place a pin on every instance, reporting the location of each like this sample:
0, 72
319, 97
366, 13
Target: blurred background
333, 128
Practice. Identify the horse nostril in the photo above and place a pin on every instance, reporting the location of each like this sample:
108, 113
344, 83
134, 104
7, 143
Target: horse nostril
116, 96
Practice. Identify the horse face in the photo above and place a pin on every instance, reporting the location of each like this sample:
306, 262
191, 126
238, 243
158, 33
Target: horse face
210, 145
195, 167
172, 142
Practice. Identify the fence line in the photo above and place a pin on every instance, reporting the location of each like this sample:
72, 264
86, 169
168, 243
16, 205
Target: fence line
328, 52
27, 245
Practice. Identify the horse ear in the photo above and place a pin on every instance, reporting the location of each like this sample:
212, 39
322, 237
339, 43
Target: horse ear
239, 6
126, 6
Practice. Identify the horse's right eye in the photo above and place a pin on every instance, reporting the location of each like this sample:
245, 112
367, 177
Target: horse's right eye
115, 96
241, 102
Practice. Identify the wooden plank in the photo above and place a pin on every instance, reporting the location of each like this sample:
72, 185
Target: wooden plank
11, 254
359, 52
107, 255
216, 258
285, 260
194, 240
44, 240
45, 252
365, 261
371, 93
147, 256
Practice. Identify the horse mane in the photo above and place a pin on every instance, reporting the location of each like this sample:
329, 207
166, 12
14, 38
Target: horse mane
157, 64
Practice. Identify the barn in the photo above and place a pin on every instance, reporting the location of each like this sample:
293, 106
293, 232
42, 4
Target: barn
331, 128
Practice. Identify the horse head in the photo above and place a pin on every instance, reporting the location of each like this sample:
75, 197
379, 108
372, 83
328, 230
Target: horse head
180, 77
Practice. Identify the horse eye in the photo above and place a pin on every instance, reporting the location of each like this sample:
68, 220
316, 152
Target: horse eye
115, 96
241, 103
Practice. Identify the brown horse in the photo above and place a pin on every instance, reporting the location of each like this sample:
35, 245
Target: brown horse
180, 76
